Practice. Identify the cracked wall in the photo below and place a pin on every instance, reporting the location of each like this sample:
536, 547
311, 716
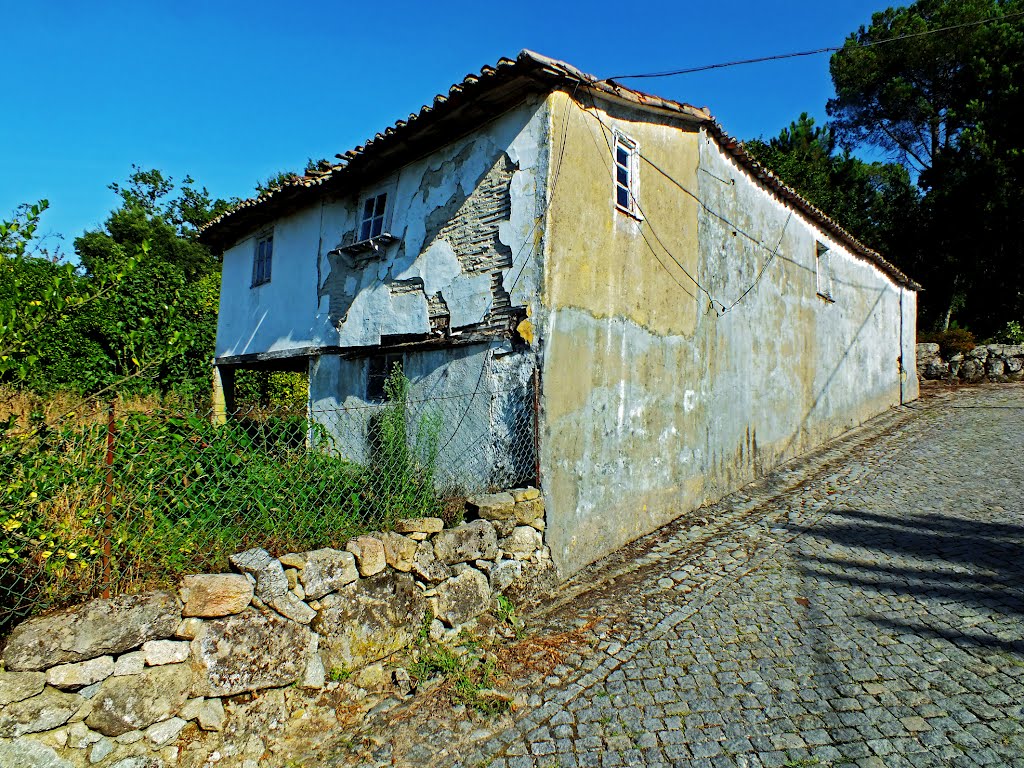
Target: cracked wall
653, 404
462, 216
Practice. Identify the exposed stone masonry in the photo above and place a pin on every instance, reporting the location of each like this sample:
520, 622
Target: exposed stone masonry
991, 362
202, 675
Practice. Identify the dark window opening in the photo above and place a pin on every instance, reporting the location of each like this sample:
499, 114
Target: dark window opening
377, 372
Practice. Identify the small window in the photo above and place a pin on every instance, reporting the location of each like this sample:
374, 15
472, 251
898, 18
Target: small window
262, 258
625, 174
380, 367
823, 271
372, 222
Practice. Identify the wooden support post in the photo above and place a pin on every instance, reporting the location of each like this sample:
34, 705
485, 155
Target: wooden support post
223, 393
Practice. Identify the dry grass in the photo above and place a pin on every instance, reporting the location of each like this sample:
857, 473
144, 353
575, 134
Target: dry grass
542, 653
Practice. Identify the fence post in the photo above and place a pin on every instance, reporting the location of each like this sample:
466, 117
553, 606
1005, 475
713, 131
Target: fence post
108, 500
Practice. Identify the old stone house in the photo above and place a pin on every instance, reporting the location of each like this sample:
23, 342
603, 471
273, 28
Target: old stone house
603, 265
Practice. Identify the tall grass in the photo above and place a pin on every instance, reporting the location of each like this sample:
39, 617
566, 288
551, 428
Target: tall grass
186, 493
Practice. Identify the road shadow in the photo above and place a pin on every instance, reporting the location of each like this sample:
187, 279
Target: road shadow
966, 576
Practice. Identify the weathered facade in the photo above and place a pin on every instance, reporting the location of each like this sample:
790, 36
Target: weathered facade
605, 264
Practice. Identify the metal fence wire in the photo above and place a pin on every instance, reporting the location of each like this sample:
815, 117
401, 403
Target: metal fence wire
125, 497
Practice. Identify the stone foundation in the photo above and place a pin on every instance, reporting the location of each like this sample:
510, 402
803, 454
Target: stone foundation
991, 362
208, 675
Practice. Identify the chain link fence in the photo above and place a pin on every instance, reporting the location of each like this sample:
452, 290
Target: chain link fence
121, 497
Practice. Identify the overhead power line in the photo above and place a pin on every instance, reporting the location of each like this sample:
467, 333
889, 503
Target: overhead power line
813, 52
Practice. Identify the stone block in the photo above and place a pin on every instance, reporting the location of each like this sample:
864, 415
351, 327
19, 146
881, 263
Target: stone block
369, 554
81, 736
470, 541
427, 566
504, 573
160, 652
268, 572
399, 551
293, 560
161, 733
463, 597
100, 751
247, 652
528, 511
315, 675
212, 715
215, 595
16, 686
529, 493
129, 663
96, 628
292, 608
136, 702
369, 619
420, 525
29, 753
327, 570
523, 542
74, 676
493, 506
44, 712
191, 709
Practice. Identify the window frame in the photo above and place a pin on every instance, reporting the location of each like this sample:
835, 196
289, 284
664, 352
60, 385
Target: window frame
378, 368
632, 169
382, 218
823, 271
262, 262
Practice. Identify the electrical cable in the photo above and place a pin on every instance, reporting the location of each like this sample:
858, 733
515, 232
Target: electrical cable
646, 220
813, 52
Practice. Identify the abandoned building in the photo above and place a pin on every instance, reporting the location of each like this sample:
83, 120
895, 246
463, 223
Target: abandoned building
603, 266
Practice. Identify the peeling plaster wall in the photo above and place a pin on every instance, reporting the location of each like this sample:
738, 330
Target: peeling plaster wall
465, 221
486, 438
281, 314
652, 404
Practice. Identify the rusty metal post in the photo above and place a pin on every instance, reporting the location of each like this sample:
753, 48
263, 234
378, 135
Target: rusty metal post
108, 500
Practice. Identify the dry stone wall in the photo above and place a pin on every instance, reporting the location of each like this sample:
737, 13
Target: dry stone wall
990, 362
207, 674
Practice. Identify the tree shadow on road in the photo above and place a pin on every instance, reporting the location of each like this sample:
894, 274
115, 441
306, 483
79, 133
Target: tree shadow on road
966, 575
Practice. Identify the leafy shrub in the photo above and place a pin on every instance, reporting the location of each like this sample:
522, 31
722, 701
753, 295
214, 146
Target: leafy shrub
187, 493
1013, 333
951, 342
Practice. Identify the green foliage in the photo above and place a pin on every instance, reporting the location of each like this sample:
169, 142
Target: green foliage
470, 675
138, 315
877, 202
403, 462
947, 105
45, 304
1013, 333
339, 674
951, 342
186, 495
288, 390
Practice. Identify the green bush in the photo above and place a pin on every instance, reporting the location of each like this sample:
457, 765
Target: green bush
1013, 333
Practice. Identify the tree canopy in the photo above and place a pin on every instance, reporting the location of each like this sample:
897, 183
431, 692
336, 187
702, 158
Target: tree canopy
937, 86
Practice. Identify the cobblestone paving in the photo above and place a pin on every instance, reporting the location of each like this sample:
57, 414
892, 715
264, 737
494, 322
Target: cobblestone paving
864, 608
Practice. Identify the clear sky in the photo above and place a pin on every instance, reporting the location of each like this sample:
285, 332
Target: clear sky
234, 92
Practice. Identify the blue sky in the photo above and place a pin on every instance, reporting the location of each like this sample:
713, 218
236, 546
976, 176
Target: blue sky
233, 92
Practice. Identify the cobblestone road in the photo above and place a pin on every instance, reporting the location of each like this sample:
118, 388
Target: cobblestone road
863, 608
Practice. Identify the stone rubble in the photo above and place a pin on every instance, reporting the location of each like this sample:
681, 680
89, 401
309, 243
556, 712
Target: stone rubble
990, 362
205, 676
